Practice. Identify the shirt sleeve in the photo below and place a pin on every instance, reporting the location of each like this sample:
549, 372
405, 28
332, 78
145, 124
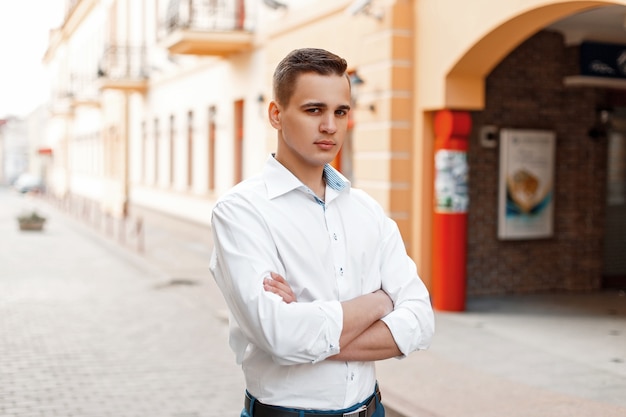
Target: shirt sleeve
244, 254
411, 322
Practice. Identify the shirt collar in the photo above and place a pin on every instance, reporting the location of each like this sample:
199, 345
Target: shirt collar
279, 180
334, 179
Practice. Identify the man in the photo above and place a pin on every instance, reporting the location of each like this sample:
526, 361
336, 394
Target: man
314, 273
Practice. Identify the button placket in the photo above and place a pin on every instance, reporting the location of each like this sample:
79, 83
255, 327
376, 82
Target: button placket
339, 255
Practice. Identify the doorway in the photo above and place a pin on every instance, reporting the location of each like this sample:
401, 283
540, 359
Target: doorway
614, 269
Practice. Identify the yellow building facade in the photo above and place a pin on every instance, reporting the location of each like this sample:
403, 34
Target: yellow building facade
180, 119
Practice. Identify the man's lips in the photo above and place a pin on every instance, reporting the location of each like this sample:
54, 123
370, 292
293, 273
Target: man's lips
325, 144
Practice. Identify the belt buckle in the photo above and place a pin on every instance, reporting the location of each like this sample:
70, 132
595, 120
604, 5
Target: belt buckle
357, 412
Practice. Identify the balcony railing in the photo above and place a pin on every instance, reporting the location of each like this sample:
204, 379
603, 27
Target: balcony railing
61, 102
208, 27
124, 67
83, 90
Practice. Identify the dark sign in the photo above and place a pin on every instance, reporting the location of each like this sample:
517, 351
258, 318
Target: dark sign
603, 59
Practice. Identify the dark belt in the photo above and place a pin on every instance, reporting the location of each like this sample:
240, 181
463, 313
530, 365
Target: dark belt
264, 410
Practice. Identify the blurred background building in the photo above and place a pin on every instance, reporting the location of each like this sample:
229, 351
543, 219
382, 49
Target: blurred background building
13, 149
160, 105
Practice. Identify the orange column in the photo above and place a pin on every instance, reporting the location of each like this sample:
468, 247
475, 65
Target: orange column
452, 129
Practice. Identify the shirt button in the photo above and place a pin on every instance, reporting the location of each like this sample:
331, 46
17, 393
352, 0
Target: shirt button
341, 271
335, 236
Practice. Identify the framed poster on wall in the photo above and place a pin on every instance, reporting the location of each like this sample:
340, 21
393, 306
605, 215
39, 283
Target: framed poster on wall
526, 184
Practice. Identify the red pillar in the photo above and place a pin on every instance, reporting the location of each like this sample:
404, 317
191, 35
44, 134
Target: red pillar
452, 129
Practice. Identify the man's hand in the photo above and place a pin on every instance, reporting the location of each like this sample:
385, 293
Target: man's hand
364, 337
277, 285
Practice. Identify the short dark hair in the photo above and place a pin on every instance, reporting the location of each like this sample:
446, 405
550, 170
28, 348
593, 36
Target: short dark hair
300, 61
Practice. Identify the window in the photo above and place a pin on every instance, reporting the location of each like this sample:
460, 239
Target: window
142, 153
211, 149
156, 151
238, 142
171, 141
190, 149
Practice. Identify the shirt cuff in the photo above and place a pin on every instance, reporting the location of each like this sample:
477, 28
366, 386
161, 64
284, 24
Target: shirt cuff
406, 331
334, 315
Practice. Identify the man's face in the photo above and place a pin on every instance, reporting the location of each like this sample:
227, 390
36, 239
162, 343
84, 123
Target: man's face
313, 126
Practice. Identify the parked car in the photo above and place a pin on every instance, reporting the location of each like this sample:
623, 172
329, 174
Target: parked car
26, 183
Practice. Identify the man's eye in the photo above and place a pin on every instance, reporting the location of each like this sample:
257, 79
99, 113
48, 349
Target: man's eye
341, 112
313, 110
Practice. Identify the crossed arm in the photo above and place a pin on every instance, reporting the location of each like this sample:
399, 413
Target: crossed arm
364, 336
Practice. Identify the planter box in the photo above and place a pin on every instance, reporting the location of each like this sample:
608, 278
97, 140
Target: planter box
34, 226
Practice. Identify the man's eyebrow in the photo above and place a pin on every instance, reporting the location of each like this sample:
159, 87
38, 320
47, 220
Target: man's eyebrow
313, 104
323, 105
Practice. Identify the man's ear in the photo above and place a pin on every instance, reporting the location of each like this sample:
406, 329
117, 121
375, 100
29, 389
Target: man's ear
273, 111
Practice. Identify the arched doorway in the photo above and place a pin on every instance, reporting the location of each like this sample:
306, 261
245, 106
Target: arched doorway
488, 81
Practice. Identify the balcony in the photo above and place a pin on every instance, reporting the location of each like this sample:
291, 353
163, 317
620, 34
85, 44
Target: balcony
84, 91
61, 104
123, 67
208, 27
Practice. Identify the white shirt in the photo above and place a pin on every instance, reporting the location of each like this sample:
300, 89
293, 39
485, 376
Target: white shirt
328, 252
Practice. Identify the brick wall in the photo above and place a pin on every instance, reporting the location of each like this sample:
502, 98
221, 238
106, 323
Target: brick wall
526, 91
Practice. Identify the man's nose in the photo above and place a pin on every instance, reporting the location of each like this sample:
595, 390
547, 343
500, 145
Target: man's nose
328, 124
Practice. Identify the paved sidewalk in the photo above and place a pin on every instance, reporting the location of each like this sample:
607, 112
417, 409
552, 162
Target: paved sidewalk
89, 328
540, 356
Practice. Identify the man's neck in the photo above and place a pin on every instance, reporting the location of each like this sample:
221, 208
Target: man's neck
312, 177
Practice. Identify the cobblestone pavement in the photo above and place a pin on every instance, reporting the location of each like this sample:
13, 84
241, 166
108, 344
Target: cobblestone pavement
86, 329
